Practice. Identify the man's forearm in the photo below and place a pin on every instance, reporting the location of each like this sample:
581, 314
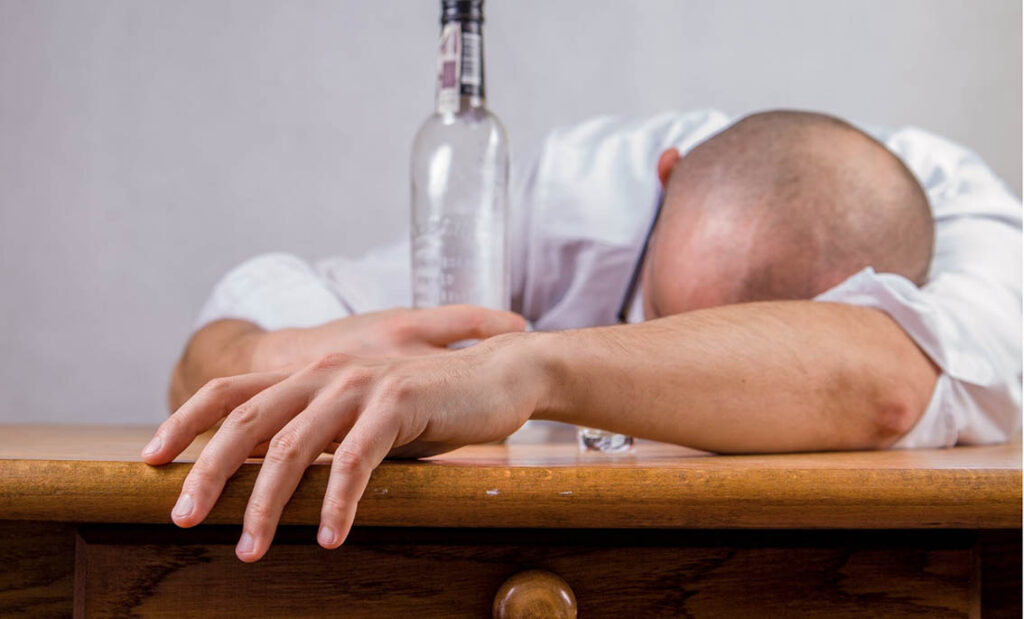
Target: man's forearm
222, 348
762, 377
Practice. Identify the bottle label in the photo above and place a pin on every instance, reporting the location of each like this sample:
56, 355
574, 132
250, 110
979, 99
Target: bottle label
471, 63
449, 68
459, 67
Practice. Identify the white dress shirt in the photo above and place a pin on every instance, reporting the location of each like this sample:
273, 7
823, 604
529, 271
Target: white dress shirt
581, 207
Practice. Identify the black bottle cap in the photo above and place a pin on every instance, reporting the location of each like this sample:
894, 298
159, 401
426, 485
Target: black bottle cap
462, 10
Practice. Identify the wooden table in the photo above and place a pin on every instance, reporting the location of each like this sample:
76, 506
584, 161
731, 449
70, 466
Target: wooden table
664, 531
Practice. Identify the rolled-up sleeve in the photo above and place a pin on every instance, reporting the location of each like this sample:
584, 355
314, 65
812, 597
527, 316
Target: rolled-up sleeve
967, 317
274, 291
279, 290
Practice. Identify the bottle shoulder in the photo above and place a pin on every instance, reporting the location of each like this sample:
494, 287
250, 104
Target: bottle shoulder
477, 120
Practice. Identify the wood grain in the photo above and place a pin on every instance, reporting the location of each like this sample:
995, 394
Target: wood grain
535, 485
37, 564
453, 574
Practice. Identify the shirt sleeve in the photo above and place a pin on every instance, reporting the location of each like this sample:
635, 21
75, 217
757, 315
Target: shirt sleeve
279, 290
274, 291
379, 279
966, 318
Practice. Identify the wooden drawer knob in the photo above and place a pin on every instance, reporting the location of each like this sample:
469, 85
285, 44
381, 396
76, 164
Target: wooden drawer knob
535, 593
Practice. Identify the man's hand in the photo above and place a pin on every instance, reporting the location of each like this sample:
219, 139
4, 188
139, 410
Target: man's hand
399, 332
423, 405
757, 377
232, 347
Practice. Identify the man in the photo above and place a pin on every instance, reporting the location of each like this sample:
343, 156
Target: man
899, 346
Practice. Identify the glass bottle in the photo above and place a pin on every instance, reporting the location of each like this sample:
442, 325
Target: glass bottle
459, 175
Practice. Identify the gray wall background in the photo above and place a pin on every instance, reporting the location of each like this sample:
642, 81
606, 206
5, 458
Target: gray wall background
146, 147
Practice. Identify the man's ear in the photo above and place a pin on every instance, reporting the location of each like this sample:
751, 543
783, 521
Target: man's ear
666, 162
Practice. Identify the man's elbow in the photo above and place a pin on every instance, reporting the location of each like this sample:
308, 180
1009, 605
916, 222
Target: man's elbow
902, 382
894, 415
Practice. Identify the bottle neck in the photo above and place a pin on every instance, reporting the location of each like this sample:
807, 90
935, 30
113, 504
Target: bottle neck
460, 67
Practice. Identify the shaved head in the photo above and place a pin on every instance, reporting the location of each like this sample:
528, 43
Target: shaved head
783, 205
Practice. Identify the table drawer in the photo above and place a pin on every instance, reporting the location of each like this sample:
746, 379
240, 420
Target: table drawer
159, 571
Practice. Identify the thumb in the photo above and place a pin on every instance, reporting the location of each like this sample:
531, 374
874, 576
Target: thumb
451, 323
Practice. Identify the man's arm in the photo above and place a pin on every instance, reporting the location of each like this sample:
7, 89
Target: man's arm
761, 377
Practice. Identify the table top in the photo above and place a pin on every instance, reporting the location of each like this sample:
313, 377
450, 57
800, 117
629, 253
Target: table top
94, 474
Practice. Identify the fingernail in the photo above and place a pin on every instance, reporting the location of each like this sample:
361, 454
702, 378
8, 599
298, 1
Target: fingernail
183, 508
246, 544
325, 536
153, 446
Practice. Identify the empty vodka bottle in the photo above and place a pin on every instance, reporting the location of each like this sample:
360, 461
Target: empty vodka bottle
460, 177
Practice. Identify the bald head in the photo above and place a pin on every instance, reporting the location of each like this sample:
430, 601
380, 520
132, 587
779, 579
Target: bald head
783, 205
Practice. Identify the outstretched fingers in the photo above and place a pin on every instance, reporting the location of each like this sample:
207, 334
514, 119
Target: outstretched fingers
365, 447
291, 452
205, 408
252, 422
